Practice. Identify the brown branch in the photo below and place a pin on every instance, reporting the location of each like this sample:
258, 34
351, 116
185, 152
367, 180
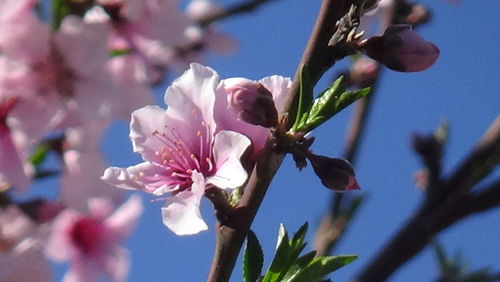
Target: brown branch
334, 224
319, 57
439, 213
235, 9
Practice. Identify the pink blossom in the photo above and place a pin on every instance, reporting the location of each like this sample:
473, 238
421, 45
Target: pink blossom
226, 119
183, 150
251, 101
21, 255
26, 262
13, 169
91, 242
150, 29
203, 38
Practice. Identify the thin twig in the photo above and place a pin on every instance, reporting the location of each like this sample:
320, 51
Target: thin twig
235, 9
439, 213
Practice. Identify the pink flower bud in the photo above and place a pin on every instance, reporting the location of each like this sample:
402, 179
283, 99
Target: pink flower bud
401, 49
251, 101
336, 174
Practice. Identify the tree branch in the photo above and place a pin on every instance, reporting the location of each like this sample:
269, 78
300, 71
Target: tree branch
319, 57
439, 213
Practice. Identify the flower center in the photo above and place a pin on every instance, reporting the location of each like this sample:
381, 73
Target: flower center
88, 235
181, 158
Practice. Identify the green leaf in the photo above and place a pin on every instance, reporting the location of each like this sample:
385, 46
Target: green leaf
299, 266
322, 266
299, 236
329, 102
305, 96
39, 154
253, 258
327, 95
286, 253
60, 9
118, 52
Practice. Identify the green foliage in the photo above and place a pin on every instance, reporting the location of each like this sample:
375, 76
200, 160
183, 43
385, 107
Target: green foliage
39, 154
60, 9
311, 114
287, 265
253, 258
118, 52
456, 269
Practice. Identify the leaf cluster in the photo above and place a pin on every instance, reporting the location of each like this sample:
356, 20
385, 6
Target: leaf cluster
287, 264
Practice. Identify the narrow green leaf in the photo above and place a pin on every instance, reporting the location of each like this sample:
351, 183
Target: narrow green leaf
305, 96
118, 52
441, 256
286, 253
298, 266
331, 102
253, 258
299, 236
280, 258
322, 266
39, 154
60, 9
324, 97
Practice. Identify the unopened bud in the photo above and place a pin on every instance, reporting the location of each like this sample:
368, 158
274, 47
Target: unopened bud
401, 49
251, 101
336, 174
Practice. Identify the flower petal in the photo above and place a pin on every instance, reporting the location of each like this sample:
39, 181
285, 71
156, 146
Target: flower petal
182, 211
145, 176
228, 148
191, 97
123, 220
278, 86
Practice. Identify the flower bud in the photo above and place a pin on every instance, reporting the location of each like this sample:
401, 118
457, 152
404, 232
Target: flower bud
251, 101
336, 174
401, 49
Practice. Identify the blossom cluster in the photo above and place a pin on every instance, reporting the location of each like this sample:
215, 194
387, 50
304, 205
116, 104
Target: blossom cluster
62, 82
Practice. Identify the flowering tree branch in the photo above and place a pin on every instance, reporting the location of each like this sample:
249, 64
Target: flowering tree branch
448, 203
342, 209
319, 57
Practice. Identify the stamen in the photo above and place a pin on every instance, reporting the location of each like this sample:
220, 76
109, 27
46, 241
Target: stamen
210, 165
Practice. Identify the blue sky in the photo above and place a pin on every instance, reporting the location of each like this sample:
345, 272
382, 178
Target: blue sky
463, 87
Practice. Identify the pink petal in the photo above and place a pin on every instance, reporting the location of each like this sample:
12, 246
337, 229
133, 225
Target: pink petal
83, 45
117, 264
59, 247
181, 213
81, 180
144, 176
279, 87
146, 121
191, 98
12, 168
228, 148
124, 219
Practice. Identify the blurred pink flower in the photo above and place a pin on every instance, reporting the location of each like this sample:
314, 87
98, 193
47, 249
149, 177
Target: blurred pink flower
21, 255
183, 150
148, 29
14, 171
92, 242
